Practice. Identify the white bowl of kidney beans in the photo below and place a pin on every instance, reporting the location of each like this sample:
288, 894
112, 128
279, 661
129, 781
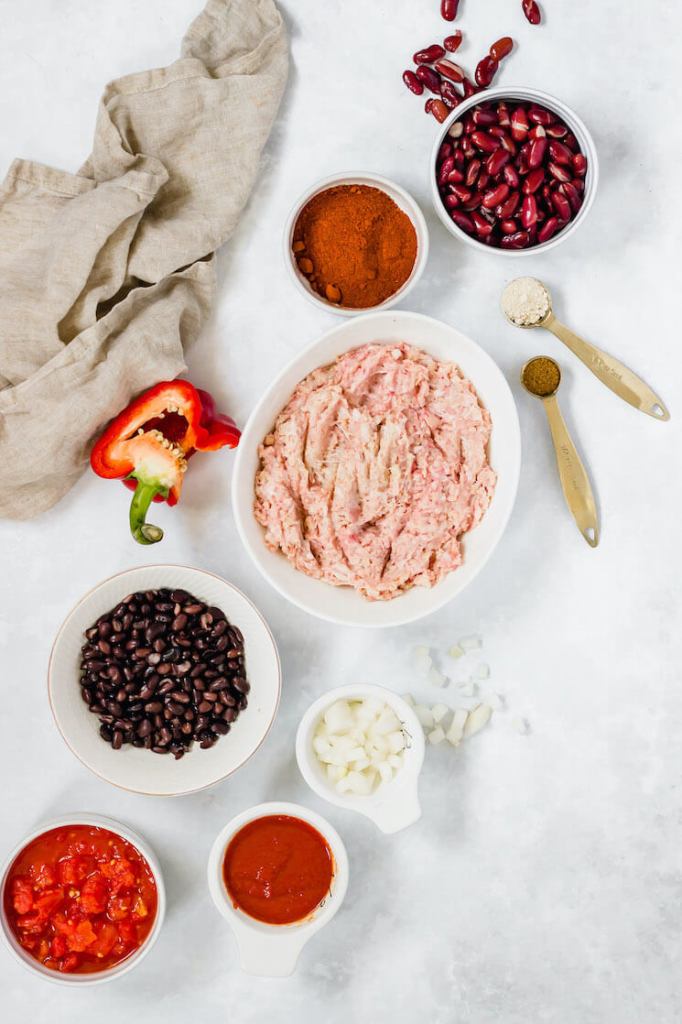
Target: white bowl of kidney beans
514, 171
164, 679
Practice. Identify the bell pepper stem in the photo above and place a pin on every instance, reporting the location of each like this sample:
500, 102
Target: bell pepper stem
144, 533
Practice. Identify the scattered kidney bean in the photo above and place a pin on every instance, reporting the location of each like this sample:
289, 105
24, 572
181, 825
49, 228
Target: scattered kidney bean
450, 70
449, 94
452, 43
429, 54
486, 69
448, 9
155, 696
532, 11
506, 192
429, 77
502, 48
413, 83
438, 109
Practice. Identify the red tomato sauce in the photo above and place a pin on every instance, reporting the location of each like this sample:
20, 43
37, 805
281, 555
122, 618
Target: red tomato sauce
80, 899
278, 869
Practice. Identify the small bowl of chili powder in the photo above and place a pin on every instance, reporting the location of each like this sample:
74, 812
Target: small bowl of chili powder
355, 242
277, 873
82, 900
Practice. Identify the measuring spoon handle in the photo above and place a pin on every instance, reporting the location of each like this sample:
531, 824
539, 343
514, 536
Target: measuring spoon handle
622, 381
575, 482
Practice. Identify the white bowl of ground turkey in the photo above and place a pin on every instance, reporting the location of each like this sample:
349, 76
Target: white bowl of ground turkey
374, 478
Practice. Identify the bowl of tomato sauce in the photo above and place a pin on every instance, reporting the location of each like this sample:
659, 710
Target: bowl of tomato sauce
82, 900
277, 872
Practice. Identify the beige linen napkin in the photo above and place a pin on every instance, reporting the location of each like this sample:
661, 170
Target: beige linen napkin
107, 274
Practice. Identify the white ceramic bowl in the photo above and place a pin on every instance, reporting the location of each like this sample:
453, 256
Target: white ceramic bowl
82, 980
342, 604
576, 126
399, 196
139, 770
395, 804
267, 950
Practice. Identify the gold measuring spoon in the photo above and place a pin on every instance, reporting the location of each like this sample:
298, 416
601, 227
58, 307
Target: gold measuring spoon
526, 302
541, 377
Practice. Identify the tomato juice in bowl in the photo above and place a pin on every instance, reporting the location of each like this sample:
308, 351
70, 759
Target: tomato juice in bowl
82, 900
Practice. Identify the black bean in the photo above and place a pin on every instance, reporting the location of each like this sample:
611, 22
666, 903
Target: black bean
220, 728
117, 739
241, 684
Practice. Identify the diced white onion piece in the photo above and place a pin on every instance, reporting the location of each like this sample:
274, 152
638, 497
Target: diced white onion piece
436, 736
470, 643
387, 722
360, 783
456, 730
477, 719
481, 671
338, 717
396, 741
436, 678
409, 699
385, 772
422, 660
456, 651
424, 714
335, 772
321, 745
395, 760
439, 711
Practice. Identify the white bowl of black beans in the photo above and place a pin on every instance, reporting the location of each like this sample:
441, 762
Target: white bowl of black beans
548, 209
164, 680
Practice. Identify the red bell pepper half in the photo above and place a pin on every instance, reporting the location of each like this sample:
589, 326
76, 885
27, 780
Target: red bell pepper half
148, 444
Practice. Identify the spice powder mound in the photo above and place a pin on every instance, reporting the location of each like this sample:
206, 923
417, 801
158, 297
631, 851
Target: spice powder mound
355, 245
541, 376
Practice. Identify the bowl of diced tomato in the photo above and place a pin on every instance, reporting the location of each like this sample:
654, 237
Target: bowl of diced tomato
82, 900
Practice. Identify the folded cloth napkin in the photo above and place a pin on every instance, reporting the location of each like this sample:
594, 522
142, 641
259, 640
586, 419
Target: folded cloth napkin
107, 274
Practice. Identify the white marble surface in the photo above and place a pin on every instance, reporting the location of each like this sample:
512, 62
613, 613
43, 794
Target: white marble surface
543, 883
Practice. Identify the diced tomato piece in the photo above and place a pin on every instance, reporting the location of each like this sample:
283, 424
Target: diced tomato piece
118, 907
69, 963
127, 933
74, 870
120, 872
22, 895
140, 908
80, 937
58, 947
93, 897
107, 934
45, 877
46, 903
32, 924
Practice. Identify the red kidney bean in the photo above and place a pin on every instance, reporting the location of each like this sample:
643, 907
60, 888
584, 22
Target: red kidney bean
533, 181
460, 159
488, 143
573, 196
529, 211
469, 88
536, 153
539, 115
438, 109
519, 124
503, 115
560, 153
463, 221
451, 201
482, 226
532, 11
450, 70
508, 207
455, 177
429, 77
446, 150
483, 117
496, 161
486, 69
580, 164
511, 176
509, 227
473, 203
413, 83
445, 168
462, 193
501, 48
448, 9
449, 94
472, 172
519, 240
557, 131
548, 229
483, 180
571, 141
452, 43
557, 171
429, 54
561, 205
495, 196
537, 132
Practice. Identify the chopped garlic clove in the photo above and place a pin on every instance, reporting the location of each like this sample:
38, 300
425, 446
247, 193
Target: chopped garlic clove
396, 742
470, 643
424, 714
436, 678
439, 711
477, 720
456, 731
456, 651
422, 660
436, 736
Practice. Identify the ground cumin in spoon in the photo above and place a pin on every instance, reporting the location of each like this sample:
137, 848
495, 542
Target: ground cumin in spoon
355, 245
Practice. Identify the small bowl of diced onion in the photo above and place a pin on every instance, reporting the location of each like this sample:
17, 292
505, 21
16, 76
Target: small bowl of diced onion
362, 747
